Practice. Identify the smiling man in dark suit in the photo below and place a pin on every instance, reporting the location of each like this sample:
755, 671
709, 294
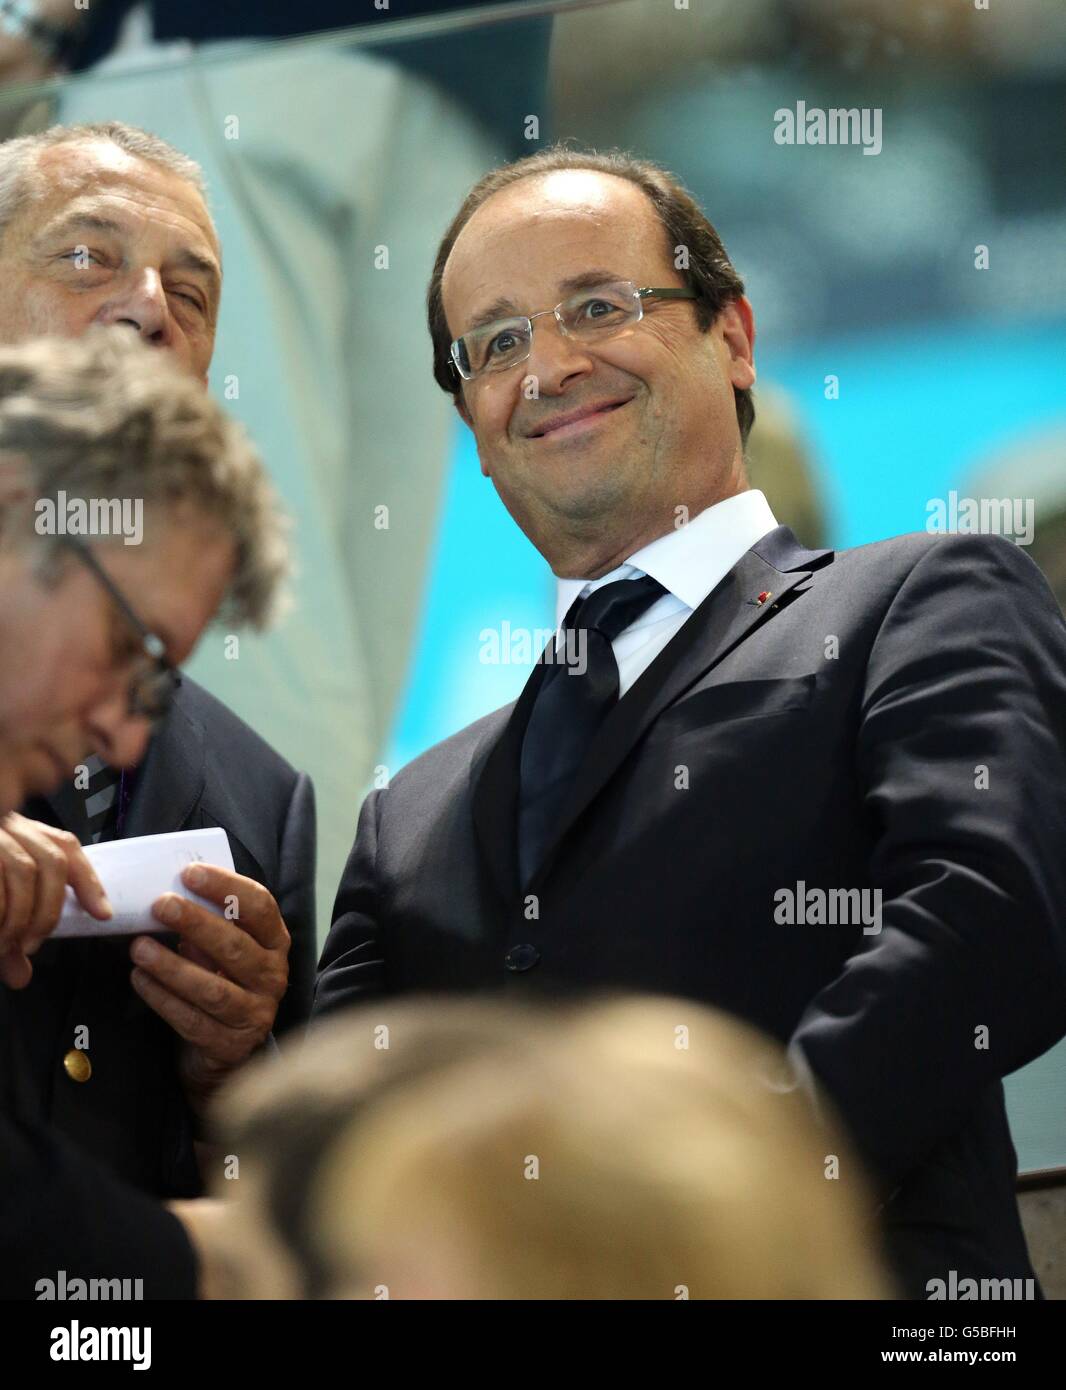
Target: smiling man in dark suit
109, 225
823, 791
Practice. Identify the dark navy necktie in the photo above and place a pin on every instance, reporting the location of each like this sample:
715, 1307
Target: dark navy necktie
576, 693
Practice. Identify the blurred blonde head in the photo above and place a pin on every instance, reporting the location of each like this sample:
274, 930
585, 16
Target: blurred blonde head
631, 1148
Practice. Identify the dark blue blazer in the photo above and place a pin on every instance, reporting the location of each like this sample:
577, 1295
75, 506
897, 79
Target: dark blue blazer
60, 1209
204, 767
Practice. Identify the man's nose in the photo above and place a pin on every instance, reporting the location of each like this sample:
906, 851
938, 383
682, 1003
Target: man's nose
555, 357
141, 303
119, 737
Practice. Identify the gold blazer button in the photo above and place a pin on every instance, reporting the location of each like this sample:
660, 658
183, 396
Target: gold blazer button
77, 1066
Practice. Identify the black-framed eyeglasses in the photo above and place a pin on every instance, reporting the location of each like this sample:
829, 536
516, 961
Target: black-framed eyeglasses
590, 315
152, 687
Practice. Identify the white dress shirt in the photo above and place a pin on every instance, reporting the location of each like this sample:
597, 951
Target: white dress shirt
688, 563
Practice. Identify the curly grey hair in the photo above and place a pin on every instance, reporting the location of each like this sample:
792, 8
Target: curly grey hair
106, 417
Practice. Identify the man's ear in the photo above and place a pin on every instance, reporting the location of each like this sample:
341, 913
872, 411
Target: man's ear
737, 324
464, 415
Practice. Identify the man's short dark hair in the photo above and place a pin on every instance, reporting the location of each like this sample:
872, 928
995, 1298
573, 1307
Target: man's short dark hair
709, 270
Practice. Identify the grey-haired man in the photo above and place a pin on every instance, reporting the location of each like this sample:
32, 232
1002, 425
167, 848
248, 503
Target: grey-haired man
91, 634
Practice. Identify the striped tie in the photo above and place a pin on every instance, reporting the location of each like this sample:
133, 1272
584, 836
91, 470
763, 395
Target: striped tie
89, 811
99, 799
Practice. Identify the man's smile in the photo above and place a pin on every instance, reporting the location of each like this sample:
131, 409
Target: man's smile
577, 421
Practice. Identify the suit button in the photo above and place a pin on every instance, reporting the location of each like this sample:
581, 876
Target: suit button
77, 1066
521, 958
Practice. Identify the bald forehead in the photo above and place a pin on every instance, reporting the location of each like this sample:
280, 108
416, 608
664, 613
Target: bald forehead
562, 191
555, 219
78, 169
559, 196
72, 162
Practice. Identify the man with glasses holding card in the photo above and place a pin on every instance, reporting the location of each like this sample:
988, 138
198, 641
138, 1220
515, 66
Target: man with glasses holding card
824, 792
92, 631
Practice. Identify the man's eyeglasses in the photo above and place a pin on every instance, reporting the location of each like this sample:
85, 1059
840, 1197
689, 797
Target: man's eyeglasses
590, 315
152, 686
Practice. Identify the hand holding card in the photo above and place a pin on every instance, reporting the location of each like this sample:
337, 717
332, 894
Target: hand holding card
135, 873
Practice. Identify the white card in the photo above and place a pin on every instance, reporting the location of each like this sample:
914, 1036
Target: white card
135, 872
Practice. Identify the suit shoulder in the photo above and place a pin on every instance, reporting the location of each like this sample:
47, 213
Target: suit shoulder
981, 579
224, 730
900, 554
455, 753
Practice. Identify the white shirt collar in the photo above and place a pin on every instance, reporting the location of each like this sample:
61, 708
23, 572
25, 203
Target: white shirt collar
690, 561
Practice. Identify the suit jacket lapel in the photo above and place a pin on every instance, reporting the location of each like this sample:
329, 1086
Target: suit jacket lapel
728, 615
494, 777
170, 781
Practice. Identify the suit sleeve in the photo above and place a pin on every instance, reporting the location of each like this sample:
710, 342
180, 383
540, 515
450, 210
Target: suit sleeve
62, 1211
352, 968
961, 761
296, 899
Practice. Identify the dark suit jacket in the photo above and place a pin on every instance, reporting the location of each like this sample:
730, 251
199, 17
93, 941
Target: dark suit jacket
204, 767
845, 763
61, 1210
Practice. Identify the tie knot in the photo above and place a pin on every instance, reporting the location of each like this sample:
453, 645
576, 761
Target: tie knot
612, 607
